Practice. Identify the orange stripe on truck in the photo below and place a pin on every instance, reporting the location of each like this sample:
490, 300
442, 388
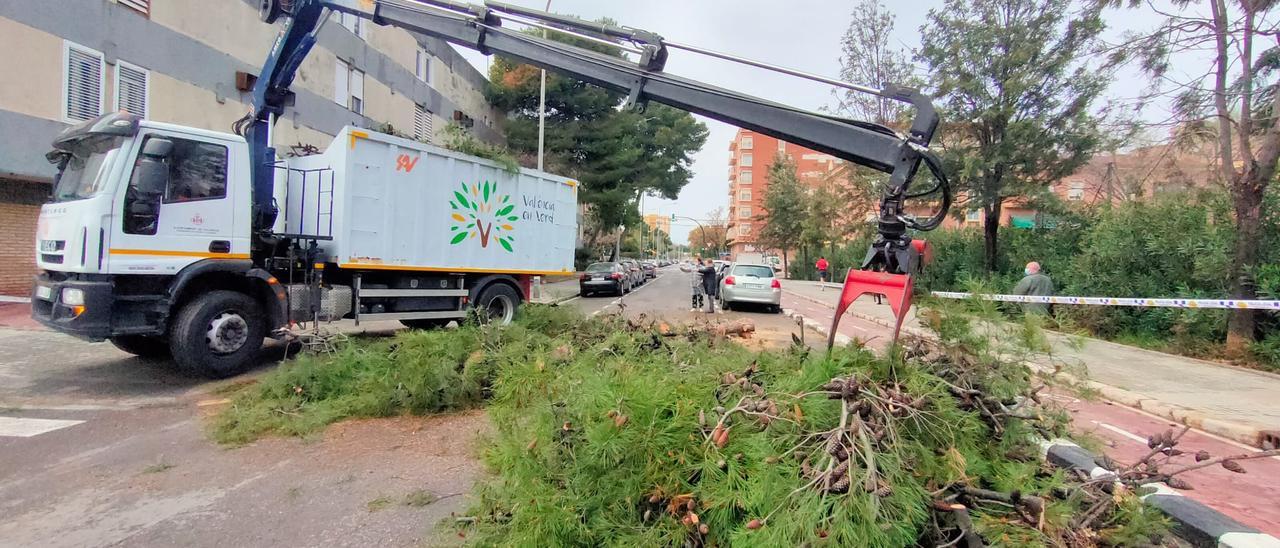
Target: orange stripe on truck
169, 253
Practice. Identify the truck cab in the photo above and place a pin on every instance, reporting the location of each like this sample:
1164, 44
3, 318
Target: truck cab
139, 211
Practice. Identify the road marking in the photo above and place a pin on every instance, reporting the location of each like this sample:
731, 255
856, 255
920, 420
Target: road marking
25, 428
1122, 432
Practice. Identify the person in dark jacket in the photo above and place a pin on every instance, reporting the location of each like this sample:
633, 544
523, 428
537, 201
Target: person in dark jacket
1035, 284
709, 280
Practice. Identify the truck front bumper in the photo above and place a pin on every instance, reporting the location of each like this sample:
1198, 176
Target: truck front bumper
90, 321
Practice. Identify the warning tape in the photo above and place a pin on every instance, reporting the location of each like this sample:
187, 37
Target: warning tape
1118, 301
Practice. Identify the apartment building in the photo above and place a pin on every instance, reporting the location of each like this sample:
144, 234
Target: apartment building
177, 61
658, 221
750, 156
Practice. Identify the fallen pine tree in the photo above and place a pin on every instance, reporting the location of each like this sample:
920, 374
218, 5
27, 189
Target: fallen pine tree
641, 433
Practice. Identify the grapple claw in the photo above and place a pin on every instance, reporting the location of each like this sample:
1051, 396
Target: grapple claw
896, 288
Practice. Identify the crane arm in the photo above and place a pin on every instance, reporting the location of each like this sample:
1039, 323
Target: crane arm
480, 28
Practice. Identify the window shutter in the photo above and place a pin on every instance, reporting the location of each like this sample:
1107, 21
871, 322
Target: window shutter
143, 6
84, 84
131, 89
341, 76
422, 129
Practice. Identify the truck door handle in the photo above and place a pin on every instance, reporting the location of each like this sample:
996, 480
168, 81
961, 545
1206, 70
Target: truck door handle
220, 246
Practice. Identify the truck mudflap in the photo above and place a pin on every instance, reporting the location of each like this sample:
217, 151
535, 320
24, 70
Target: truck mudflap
89, 320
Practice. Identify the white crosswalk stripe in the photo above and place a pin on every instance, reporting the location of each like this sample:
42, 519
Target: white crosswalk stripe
16, 427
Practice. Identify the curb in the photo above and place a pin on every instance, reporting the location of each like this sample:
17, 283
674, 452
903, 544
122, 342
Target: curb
814, 325
1194, 522
1234, 431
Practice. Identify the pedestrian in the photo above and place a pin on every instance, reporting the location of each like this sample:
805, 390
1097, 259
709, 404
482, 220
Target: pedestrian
695, 280
1034, 283
823, 275
709, 279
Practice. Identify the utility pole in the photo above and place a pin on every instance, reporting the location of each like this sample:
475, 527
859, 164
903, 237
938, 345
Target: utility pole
542, 104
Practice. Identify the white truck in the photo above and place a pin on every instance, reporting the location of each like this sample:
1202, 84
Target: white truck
148, 240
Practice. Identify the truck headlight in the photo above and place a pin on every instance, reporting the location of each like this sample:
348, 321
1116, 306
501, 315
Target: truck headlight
72, 296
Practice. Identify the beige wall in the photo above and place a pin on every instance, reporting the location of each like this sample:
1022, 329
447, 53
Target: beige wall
37, 56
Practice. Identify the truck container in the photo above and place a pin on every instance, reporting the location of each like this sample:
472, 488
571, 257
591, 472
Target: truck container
150, 243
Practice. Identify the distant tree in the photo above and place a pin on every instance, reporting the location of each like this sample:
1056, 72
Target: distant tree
711, 235
615, 154
1015, 82
785, 211
1238, 91
870, 60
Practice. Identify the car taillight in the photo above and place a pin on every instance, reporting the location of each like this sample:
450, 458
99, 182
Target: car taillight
616, 276
777, 284
728, 280
585, 277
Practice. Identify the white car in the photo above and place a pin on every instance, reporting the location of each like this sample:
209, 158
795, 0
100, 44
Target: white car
750, 283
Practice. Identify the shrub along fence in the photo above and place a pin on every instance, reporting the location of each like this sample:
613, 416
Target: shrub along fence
1173, 246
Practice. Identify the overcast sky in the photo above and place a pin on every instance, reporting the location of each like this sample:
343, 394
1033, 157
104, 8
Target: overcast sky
801, 34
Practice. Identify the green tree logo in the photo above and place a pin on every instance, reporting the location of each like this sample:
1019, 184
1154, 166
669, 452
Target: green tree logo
479, 211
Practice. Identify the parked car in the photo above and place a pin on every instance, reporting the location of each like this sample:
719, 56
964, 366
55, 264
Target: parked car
634, 271
750, 283
650, 269
604, 277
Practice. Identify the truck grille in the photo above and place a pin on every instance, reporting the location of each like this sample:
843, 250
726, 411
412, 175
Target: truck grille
51, 258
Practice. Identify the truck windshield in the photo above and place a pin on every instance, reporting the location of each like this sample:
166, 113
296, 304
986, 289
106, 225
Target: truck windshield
82, 175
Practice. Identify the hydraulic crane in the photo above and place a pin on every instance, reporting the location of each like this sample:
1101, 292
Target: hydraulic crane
893, 256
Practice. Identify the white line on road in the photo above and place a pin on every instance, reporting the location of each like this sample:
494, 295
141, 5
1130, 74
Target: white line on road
15, 427
1122, 432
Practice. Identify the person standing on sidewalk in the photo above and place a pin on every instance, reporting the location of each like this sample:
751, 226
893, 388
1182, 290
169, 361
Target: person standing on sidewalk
823, 274
709, 279
1035, 284
695, 280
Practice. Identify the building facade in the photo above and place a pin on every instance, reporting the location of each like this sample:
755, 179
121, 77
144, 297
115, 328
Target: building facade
658, 221
750, 156
177, 61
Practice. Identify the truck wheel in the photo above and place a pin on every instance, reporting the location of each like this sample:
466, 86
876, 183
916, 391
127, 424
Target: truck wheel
499, 302
425, 323
142, 346
217, 334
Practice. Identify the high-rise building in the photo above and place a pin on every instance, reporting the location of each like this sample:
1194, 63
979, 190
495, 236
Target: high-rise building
657, 221
751, 154
188, 62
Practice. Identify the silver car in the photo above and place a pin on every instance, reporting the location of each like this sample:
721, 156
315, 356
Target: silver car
750, 283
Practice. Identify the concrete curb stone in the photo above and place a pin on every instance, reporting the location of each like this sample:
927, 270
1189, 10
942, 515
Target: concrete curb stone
1194, 522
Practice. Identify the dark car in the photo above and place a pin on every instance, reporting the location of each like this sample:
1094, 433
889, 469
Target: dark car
604, 277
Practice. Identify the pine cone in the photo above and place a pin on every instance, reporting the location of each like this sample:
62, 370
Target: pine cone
1202, 455
884, 491
1233, 466
1178, 483
840, 486
841, 469
1153, 442
833, 445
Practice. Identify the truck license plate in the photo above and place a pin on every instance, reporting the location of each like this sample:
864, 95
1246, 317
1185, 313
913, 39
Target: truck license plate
44, 292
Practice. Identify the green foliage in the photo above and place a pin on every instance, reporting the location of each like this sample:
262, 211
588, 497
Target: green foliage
784, 205
416, 371
616, 154
1172, 246
457, 139
1014, 80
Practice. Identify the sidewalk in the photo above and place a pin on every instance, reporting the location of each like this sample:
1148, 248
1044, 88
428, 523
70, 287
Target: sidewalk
1233, 402
556, 291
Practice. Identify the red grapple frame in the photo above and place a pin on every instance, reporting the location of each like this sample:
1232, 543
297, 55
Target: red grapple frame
896, 288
